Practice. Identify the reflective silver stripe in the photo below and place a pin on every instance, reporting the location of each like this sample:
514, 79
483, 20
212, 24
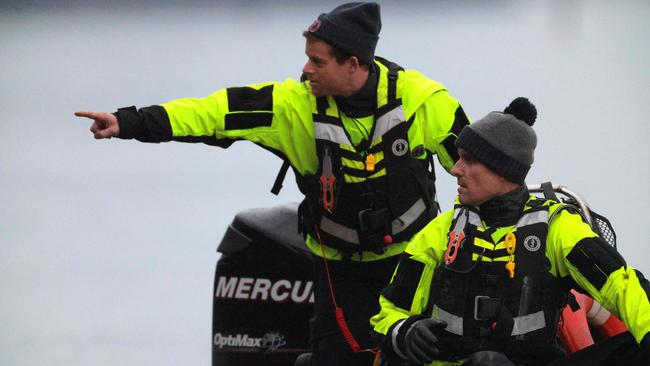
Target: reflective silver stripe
338, 230
528, 323
533, 218
522, 324
454, 323
407, 218
393, 339
387, 121
474, 218
329, 132
598, 315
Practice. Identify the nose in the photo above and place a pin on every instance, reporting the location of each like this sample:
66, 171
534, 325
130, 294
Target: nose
456, 171
308, 68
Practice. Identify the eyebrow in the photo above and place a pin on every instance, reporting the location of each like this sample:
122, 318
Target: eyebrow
316, 58
465, 154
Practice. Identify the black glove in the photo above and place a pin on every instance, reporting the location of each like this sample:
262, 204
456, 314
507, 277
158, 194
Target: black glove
419, 343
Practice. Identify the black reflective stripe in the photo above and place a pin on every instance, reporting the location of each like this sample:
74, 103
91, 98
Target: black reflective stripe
350, 155
484, 235
208, 140
401, 290
353, 172
499, 253
362, 173
645, 285
480, 250
323, 118
595, 260
243, 121
250, 99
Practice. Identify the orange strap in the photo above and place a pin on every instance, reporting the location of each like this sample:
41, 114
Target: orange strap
338, 312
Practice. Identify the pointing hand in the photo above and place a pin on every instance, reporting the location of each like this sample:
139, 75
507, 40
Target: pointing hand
105, 125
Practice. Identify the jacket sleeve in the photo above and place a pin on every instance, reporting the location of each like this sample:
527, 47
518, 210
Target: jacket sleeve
407, 295
274, 115
440, 117
599, 270
444, 119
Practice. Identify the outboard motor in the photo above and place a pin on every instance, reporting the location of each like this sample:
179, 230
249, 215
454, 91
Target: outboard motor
263, 290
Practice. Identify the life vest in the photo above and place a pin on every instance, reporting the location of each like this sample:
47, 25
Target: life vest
484, 307
366, 197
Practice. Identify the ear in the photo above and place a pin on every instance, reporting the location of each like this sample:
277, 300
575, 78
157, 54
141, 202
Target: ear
353, 64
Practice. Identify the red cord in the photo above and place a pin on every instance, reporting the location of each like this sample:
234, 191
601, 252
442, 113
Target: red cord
338, 312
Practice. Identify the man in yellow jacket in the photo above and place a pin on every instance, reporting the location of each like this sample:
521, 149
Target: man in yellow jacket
359, 132
487, 280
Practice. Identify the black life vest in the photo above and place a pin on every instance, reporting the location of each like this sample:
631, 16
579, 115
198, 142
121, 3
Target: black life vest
484, 308
373, 207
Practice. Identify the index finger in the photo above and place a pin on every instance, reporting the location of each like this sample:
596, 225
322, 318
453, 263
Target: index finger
86, 114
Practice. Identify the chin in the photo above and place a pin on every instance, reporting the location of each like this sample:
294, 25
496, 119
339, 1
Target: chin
466, 201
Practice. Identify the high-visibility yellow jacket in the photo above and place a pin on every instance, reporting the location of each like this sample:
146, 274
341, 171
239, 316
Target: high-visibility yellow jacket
572, 255
279, 116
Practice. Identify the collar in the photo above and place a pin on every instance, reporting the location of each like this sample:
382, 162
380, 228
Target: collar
505, 210
364, 102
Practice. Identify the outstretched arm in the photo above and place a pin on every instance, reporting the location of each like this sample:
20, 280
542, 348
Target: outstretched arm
105, 124
274, 115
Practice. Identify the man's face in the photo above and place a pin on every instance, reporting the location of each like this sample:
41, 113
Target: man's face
477, 183
326, 76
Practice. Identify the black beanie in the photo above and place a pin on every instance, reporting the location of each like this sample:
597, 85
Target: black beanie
504, 141
352, 27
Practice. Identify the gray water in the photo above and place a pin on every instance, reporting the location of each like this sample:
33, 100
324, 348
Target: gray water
107, 248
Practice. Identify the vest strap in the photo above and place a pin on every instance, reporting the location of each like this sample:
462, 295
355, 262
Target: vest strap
351, 235
282, 173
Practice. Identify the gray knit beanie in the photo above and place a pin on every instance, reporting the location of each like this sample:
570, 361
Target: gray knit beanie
504, 141
351, 27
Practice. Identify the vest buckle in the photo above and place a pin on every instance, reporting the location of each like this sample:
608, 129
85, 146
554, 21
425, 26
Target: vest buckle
486, 308
374, 225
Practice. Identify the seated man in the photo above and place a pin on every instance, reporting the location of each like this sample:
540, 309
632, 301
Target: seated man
490, 277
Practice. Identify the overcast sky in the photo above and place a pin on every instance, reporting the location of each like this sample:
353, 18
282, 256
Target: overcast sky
107, 248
